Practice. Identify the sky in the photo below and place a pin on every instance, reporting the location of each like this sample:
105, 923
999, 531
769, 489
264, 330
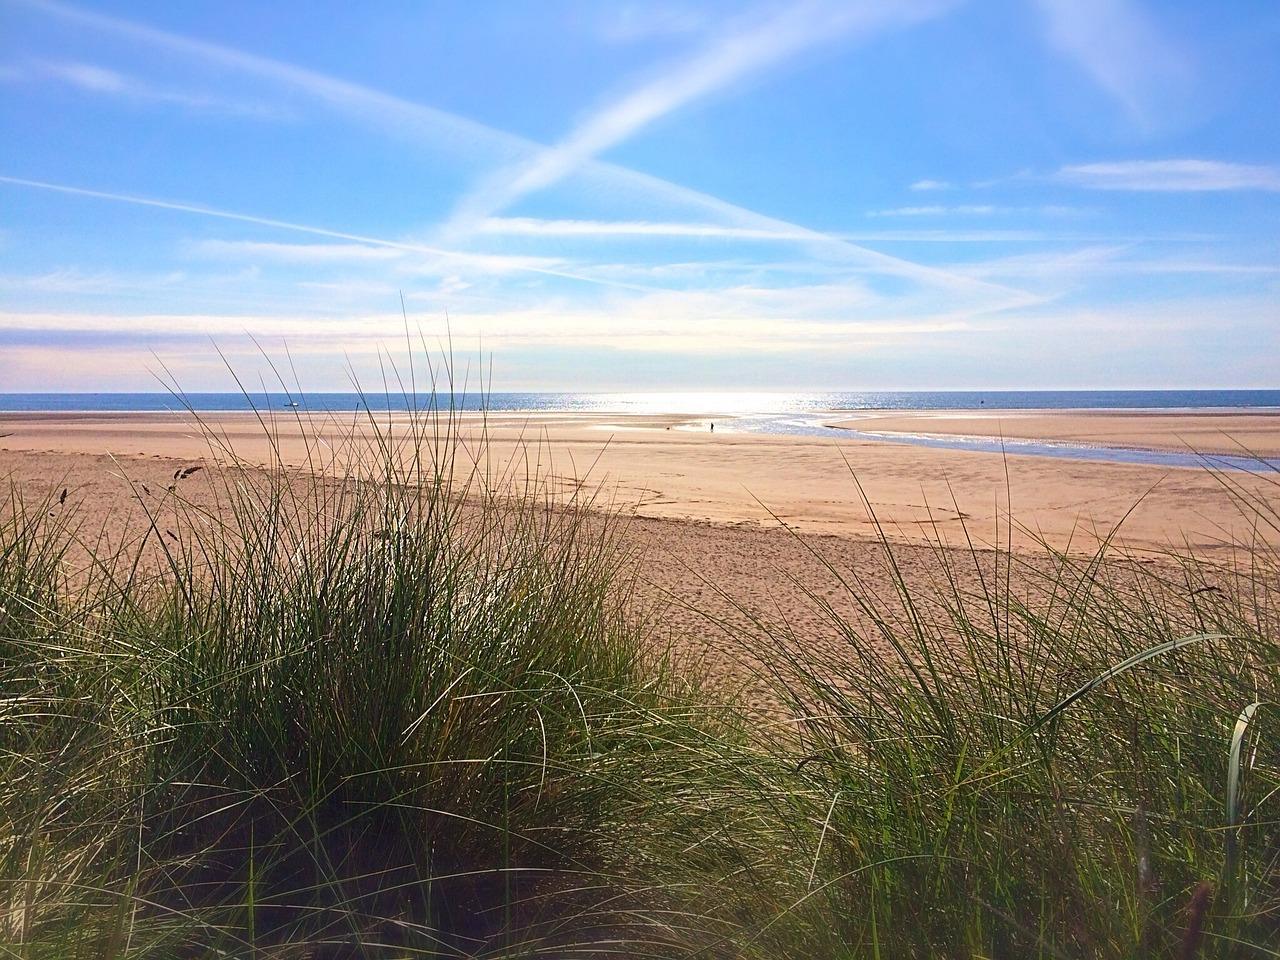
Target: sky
663, 195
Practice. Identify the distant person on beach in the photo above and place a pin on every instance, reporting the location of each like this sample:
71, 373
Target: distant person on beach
713, 426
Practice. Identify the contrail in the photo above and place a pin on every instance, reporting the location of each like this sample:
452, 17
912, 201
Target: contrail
480, 260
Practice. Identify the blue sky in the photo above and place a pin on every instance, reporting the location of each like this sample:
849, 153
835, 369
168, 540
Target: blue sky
820, 194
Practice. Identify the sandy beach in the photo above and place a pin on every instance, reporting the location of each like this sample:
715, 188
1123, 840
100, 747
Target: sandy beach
727, 522
674, 468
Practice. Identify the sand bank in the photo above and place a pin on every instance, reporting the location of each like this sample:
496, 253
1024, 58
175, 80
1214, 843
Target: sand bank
1202, 431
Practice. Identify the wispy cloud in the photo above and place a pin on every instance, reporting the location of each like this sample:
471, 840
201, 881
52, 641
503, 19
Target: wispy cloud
808, 320
656, 323
977, 210
603, 229
1171, 176
102, 81
936, 210
943, 236
632, 22
400, 118
86, 76
532, 227
72, 280
481, 261
1062, 273
837, 247
1123, 50
927, 185
295, 252
738, 52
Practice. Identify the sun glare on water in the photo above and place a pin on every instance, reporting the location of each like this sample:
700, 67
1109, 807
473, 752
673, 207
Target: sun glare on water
707, 402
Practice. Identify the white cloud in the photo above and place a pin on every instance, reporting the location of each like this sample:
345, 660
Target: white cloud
295, 252
1060, 268
72, 280
925, 185
531, 227
631, 22
1183, 265
783, 233
657, 323
454, 284
934, 210
1171, 175
948, 236
1105, 260
102, 81
811, 320
410, 258
87, 77
820, 316
976, 210
1124, 52
497, 264
595, 229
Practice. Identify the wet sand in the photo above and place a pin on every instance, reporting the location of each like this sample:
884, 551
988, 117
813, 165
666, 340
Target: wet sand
1238, 432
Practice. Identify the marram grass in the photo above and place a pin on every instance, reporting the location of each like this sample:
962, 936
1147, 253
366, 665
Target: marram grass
387, 705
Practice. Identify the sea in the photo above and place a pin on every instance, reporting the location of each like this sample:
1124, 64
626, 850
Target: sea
804, 414
702, 402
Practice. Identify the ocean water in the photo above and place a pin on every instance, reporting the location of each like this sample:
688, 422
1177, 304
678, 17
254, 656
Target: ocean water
794, 414
709, 403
